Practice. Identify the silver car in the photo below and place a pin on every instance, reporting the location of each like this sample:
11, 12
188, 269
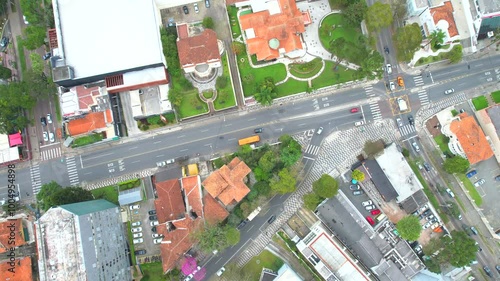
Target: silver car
367, 203
479, 182
370, 207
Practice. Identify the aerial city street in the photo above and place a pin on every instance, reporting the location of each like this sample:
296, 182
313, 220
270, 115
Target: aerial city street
250, 140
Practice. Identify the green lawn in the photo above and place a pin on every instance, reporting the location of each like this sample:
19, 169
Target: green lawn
430, 59
109, 193
306, 70
20, 53
330, 77
443, 141
496, 96
225, 97
327, 33
192, 105
129, 184
233, 18
152, 271
86, 140
472, 190
480, 102
58, 108
265, 259
251, 77
290, 87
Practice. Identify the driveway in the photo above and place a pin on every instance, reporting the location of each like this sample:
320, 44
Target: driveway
143, 216
488, 170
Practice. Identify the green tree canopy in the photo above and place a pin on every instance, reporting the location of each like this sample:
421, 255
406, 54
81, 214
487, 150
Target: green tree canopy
311, 200
36, 15
409, 228
458, 250
358, 175
355, 13
175, 97
284, 183
208, 22
5, 72
52, 194
371, 66
37, 64
456, 164
38, 85
436, 37
169, 43
378, 16
44, 196
456, 54
399, 7
262, 188
15, 100
232, 235
407, 41
266, 92
35, 36
290, 150
326, 186
268, 161
215, 237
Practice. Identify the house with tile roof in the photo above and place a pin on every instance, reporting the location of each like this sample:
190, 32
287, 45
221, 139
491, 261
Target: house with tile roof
20, 271
227, 183
93, 122
273, 29
198, 53
467, 139
169, 205
6, 229
431, 18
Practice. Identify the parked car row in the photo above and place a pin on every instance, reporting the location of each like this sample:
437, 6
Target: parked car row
196, 9
137, 228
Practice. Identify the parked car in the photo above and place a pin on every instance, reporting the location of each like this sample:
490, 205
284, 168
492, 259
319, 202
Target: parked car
319, 131
271, 219
51, 137
49, 118
411, 120
400, 122
474, 230
497, 267
354, 110
136, 223
375, 212
156, 235
220, 271
153, 229
135, 207
136, 229
185, 9
487, 271
354, 187
45, 136
452, 195
370, 220
479, 182
358, 192
47, 56
43, 120
367, 203
157, 240
137, 235
153, 217
388, 68
140, 252
427, 212
497, 178
138, 241
196, 10
152, 212
449, 91
371, 207
471, 174
4, 41
154, 223
207, 3
426, 225
258, 130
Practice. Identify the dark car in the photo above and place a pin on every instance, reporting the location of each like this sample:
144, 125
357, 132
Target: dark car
411, 120
140, 252
497, 267
4, 42
427, 212
474, 230
271, 219
497, 178
46, 56
242, 224
258, 130
185, 9
471, 174
427, 167
487, 271
153, 229
43, 120
152, 212
386, 50
354, 187
153, 218
207, 3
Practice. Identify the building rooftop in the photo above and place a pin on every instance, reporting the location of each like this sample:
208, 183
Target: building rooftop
494, 115
444, 19
130, 196
91, 122
471, 138
192, 190
286, 273
214, 212
88, 207
22, 271
170, 204
198, 49
5, 234
109, 40
377, 176
226, 184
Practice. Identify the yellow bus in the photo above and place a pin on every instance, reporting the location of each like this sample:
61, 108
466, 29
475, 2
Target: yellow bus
249, 140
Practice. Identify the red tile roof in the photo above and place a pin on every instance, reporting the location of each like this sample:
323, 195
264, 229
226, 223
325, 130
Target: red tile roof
5, 232
182, 31
286, 27
213, 210
199, 49
170, 204
92, 121
192, 189
471, 138
445, 12
226, 184
22, 271
85, 96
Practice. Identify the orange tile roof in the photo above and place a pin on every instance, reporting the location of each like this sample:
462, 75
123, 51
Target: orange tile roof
226, 184
182, 31
445, 12
286, 27
22, 270
199, 49
5, 231
471, 138
213, 210
176, 242
170, 204
92, 121
192, 189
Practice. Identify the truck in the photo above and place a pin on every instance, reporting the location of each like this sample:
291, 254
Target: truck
254, 214
249, 140
402, 104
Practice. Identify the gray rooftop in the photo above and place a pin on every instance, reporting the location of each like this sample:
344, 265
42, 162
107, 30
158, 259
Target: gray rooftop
130, 196
494, 114
381, 182
88, 207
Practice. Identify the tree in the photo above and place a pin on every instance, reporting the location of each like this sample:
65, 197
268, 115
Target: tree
5, 72
221, 82
210, 238
405, 152
409, 227
456, 164
44, 196
311, 200
169, 43
71, 195
355, 13
232, 235
284, 182
208, 22
238, 48
458, 250
378, 16
371, 66
290, 150
326, 186
38, 85
35, 37
399, 8
456, 54
432, 265
35, 15
262, 188
15, 100
358, 175
436, 38
268, 161
37, 65
266, 92
407, 41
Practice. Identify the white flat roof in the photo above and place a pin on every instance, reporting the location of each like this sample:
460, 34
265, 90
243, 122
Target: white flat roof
99, 37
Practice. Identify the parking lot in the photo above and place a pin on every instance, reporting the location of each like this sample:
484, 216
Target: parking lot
141, 215
357, 200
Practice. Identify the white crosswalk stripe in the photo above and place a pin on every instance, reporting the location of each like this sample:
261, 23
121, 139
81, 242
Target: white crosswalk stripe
369, 91
375, 109
423, 97
72, 171
419, 81
50, 153
407, 129
312, 149
36, 182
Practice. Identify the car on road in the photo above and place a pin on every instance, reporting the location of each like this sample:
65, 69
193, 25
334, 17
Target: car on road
138, 241
49, 118
158, 240
258, 130
4, 41
471, 174
474, 230
367, 203
25, 21
136, 229
165, 163
392, 86
354, 110
220, 271
47, 56
401, 82
152, 212
359, 123
411, 120
449, 91
45, 136
400, 122
242, 224
140, 252
153, 217
358, 192
375, 212
135, 207
185, 9
452, 195
196, 9
136, 223
207, 3
487, 271
271, 219
370, 220
388, 68
154, 223
386, 50
479, 182
371, 207
354, 187
43, 120
497, 267
415, 145
51, 137
137, 235
319, 131
427, 167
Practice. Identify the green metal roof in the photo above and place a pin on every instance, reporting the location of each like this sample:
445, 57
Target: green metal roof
87, 207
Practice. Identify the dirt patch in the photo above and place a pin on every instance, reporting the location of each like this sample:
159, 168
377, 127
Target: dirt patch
393, 212
432, 126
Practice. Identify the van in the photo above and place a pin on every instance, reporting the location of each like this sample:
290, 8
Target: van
380, 217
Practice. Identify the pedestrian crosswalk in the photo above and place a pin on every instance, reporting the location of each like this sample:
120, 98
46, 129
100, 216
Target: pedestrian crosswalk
36, 182
72, 171
374, 107
423, 97
312, 149
407, 129
419, 81
50, 153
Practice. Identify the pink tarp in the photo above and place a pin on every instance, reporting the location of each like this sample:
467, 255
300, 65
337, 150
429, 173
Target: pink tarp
15, 139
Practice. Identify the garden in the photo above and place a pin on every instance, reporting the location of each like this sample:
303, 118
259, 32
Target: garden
480, 102
495, 96
110, 193
225, 93
233, 19
86, 140
306, 70
439, 57
333, 75
264, 260
156, 121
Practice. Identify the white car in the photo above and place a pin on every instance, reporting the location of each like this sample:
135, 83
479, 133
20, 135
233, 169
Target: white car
51, 137
135, 207
153, 223
137, 229
49, 118
156, 235
449, 91
367, 203
45, 136
370, 207
392, 86
359, 123
138, 241
196, 8
388, 67
221, 270
479, 182
157, 240
452, 195
137, 235
400, 122
319, 131
136, 223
